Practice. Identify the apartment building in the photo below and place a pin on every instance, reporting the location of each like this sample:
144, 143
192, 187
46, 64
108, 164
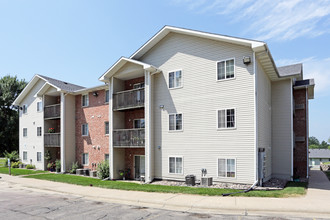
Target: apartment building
184, 101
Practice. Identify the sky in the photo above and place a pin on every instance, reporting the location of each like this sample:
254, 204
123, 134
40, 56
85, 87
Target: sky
78, 40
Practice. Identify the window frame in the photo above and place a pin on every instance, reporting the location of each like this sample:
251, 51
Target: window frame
139, 85
25, 129
24, 109
225, 79
227, 158
39, 110
105, 157
38, 131
175, 122
82, 161
105, 96
82, 100
26, 154
139, 119
82, 130
39, 153
105, 128
168, 79
217, 116
168, 160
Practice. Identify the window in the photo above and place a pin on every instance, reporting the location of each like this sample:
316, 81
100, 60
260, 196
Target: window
24, 109
38, 131
39, 156
138, 85
106, 157
139, 123
107, 96
24, 132
175, 79
175, 165
39, 106
85, 159
84, 100
226, 118
226, 69
106, 125
84, 129
226, 167
25, 155
175, 122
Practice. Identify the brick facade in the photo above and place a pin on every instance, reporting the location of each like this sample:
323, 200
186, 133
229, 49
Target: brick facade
300, 161
129, 83
129, 159
96, 144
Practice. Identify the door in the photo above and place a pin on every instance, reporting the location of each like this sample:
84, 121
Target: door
139, 166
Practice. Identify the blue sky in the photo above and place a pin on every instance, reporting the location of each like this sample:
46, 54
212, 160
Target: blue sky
77, 41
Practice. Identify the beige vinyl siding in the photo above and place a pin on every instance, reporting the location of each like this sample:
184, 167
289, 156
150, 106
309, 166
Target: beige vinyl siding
281, 129
265, 117
201, 143
33, 119
70, 141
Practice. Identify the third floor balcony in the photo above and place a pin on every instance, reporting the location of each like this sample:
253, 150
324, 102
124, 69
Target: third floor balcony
128, 99
52, 111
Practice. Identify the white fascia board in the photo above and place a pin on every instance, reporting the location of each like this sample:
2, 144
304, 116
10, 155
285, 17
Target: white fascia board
42, 90
58, 89
26, 90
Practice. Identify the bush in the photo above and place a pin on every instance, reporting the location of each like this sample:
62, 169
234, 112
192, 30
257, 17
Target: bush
13, 157
30, 166
74, 167
16, 164
58, 165
103, 170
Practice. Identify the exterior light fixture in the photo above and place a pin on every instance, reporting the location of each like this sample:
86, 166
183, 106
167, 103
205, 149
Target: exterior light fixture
246, 60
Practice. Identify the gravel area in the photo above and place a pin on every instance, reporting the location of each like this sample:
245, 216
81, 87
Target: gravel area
272, 184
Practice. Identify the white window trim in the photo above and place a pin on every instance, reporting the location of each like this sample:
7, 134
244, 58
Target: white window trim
216, 67
82, 98
26, 133
168, 79
217, 116
82, 161
39, 161
82, 130
40, 110
168, 124
25, 113
138, 119
26, 156
226, 158
105, 96
41, 131
168, 162
105, 128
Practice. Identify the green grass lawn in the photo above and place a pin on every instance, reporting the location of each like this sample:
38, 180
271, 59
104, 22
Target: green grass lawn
18, 172
2, 162
292, 189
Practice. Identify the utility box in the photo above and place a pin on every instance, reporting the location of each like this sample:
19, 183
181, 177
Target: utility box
207, 181
190, 180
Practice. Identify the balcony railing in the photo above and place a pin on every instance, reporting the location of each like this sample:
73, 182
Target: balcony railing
52, 111
128, 99
129, 137
52, 139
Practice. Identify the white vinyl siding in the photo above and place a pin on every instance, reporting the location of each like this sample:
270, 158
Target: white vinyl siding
175, 79
226, 167
39, 106
39, 131
24, 132
199, 100
85, 159
84, 100
175, 122
24, 155
226, 69
84, 129
106, 127
175, 165
226, 118
38, 156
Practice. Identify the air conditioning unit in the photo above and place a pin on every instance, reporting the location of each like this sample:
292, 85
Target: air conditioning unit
207, 181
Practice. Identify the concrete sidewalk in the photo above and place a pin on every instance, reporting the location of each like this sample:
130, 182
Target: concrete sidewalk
315, 204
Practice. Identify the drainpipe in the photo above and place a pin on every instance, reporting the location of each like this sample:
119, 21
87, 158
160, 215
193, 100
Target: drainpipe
255, 116
63, 132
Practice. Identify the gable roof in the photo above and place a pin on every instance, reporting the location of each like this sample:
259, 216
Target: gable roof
319, 153
291, 70
61, 86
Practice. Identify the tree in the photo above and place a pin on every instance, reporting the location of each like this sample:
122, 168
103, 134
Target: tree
10, 88
324, 145
313, 141
314, 146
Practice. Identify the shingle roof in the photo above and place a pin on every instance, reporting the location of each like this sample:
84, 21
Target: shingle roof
319, 153
61, 84
290, 70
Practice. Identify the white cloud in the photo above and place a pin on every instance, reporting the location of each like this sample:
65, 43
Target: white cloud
319, 69
269, 19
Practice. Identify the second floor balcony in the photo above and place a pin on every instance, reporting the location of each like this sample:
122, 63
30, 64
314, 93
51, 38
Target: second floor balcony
52, 139
129, 137
128, 99
52, 111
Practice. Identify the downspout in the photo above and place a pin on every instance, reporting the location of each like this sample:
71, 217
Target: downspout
307, 131
292, 138
255, 117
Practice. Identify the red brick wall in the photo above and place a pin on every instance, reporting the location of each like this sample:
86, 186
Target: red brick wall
129, 159
129, 83
299, 128
96, 114
130, 115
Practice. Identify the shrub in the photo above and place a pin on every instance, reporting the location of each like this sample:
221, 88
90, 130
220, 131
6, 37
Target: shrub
103, 170
13, 157
16, 164
58, 165
74, 167
30, 166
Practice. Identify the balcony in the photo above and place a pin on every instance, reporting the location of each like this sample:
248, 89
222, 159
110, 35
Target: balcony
128, 99
130, 138
52, 111
52, 139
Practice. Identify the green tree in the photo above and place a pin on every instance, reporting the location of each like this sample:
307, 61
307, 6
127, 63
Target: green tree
324, 145
314, 146
10, 88
313, 141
